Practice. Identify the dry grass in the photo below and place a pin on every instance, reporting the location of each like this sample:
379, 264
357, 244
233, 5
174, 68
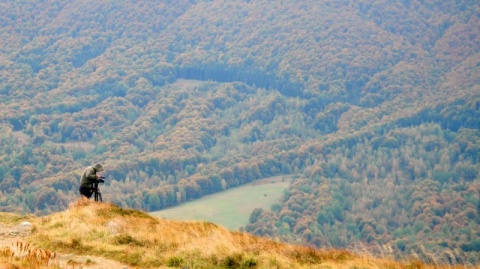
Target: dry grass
25, 255
10, 218
138, 240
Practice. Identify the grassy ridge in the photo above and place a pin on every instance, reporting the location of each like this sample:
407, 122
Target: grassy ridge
231, 208
138, 239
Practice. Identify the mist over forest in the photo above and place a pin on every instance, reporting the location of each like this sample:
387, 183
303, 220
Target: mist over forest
373, 107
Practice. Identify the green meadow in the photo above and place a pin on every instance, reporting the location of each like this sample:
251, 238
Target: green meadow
231, 208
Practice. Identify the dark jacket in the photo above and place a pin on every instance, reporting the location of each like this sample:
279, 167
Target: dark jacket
89, 177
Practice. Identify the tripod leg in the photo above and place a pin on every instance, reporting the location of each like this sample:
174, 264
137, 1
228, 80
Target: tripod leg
100, 197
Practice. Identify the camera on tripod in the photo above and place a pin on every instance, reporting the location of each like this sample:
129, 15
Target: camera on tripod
96, 190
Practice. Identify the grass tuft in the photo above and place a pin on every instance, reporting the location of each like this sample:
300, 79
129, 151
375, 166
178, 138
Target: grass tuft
249, 263
75, 243
416, 264
232, 261
27, 256
126, 239
114, 211
175, 261
133, 258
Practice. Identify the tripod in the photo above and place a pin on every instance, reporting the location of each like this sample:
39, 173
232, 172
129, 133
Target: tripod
96, 191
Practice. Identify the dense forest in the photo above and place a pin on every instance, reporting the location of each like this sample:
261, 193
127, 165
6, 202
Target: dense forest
373, 106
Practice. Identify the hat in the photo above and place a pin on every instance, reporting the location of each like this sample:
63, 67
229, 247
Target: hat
98, 167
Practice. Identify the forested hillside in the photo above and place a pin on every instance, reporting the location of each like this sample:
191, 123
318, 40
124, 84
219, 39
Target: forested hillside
373, 105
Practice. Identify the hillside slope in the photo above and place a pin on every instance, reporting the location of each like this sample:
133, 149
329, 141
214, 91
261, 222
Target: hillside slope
107, 232
374, 106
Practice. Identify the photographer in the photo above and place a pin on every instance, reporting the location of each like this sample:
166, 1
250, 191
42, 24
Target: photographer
89, 178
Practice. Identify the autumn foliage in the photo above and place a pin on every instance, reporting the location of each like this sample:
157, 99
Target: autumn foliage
372, 105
